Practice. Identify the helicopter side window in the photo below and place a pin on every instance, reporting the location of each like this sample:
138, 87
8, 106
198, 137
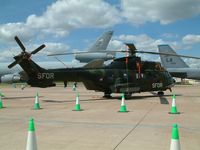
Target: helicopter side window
139, 76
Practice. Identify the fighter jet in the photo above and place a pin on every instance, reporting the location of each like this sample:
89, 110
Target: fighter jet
175, 65
16, 74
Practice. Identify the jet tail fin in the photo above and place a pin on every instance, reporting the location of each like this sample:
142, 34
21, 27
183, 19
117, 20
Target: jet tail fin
102, 42
171, 61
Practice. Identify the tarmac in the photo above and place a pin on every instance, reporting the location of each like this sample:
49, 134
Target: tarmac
100, 125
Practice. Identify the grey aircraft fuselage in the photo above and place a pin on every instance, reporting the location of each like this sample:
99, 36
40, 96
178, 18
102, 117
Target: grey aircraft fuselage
189, 73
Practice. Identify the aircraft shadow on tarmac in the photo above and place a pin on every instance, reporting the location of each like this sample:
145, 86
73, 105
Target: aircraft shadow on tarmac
22, 97
64, 101
163, 99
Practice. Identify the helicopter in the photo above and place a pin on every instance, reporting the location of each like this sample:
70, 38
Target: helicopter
126, 75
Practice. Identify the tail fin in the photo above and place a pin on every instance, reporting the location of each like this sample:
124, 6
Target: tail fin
170, 61
37, 76
102, 42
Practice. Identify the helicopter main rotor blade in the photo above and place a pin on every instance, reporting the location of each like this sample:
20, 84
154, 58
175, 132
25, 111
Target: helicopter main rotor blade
167, 54
125, 51
38, 49
20, 43
71, 53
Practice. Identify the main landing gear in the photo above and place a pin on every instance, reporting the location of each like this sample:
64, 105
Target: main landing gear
160, 93
107, 95
127, 95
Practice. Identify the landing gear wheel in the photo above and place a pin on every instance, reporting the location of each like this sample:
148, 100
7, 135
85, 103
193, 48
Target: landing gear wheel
160, 93
107, 95
127, 95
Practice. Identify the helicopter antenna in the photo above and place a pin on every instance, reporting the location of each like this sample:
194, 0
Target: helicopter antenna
60, 61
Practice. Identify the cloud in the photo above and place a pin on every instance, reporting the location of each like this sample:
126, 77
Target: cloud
55, 48
170, 35
115, 45
165, 11
63, 16
7, 54
191, 39
193, 63
8, 31
142, 41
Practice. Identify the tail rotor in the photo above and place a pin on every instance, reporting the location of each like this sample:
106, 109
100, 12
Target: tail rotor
24, 54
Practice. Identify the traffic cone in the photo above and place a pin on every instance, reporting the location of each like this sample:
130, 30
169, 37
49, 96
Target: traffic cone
37, 104
1, 102
74, 87
1, 94
123, 106
31, 140
173, 108
175, 143
77, 106
14, 85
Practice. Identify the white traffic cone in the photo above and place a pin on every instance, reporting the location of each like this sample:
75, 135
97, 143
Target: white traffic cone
174, 108
31, 140
37, 104
175, 143
123, 106
77, 106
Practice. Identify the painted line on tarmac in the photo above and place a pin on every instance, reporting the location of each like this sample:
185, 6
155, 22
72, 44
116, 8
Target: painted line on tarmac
134, 127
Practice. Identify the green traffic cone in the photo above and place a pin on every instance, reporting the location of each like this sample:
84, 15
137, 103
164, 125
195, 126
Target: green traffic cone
37, 104
1, 102
77, 106
14, 85
123, 106
1, 94
173, 108
74, 88
31, 140
175, 143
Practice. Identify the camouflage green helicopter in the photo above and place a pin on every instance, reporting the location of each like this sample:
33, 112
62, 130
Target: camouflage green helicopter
123, 75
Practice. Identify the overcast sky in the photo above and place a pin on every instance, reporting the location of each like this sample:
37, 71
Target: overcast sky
68, 25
